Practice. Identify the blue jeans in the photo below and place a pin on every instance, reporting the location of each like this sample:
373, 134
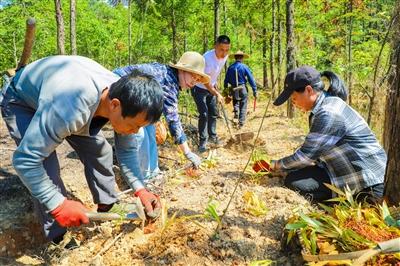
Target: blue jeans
310, 180
147, 152
207, 107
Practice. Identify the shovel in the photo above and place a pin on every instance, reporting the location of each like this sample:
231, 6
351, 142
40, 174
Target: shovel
245, 136
136, 213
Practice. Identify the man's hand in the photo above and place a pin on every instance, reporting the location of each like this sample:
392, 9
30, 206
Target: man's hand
220, 99
70, 213
194, 158
150, 201
255, 94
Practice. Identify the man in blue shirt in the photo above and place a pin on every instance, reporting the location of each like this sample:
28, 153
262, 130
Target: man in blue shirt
237, 75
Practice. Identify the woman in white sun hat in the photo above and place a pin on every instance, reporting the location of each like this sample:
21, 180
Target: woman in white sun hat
173, 78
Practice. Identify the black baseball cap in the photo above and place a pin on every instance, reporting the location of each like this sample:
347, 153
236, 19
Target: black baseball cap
298, 78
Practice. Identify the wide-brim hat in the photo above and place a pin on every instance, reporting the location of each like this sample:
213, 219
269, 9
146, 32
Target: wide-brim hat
297, 79
193, 62
239, 53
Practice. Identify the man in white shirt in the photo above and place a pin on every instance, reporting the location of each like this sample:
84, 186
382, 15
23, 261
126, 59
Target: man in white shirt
206, 96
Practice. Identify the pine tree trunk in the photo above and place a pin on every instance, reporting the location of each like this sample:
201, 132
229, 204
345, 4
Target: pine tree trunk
279, 46
264, 55
290, 47
392, 119
129, 33
216, 20
349, 51
272, 48
173, 26
72, 26
184, 35
60, 27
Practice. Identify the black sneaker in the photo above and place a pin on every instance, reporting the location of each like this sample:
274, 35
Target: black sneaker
215, 141
202, 148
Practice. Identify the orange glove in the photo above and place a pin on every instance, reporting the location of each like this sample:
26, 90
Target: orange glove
150, 201
70, 213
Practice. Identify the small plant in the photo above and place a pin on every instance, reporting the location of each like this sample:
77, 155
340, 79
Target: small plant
254, 205
347, 226
211, 211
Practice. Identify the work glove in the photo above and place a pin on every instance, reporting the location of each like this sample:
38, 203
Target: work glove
255, 94
194, 158
70, 213
150, 201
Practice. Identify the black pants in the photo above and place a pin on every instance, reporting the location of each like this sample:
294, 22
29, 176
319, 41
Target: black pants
240, 105
309, 182
207, 107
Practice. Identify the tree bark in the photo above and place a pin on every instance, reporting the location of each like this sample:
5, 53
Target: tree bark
392, 119
264, 55
279, 42
173, 26
349, 51
272, 48
72, 26
60, 28
129, 33
290, 47
216, 20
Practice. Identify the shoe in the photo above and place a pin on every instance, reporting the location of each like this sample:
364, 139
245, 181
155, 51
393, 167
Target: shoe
104, 207
64, 241
202, 148
215, 141
236, 116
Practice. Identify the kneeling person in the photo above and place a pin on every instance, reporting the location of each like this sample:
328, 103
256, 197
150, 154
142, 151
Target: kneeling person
340, 148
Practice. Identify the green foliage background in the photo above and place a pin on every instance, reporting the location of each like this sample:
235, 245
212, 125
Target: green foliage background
321, 32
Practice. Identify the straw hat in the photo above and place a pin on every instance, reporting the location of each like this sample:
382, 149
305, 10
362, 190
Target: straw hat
192, 62
239, 53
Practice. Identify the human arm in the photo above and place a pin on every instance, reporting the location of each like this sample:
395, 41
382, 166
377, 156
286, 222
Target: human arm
127, 150
326, 131
213, 90
251, 80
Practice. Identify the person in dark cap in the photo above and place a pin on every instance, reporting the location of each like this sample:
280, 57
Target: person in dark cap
340, 148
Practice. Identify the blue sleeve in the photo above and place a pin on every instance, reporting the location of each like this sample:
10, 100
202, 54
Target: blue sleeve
122, 71
226, 79
250, 78
170, 111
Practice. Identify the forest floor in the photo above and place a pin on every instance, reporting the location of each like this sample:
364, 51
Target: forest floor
243, 238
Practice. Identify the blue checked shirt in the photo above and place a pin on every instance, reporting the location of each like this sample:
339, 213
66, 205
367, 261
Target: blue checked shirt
340, 141
167, 77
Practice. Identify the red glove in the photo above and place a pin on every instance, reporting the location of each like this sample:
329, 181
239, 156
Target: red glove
150, 201
262, 166
70, 213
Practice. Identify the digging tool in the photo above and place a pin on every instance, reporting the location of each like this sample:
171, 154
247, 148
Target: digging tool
254, 104
240, 137
241, 175
28, 44
136, 213
226, 121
